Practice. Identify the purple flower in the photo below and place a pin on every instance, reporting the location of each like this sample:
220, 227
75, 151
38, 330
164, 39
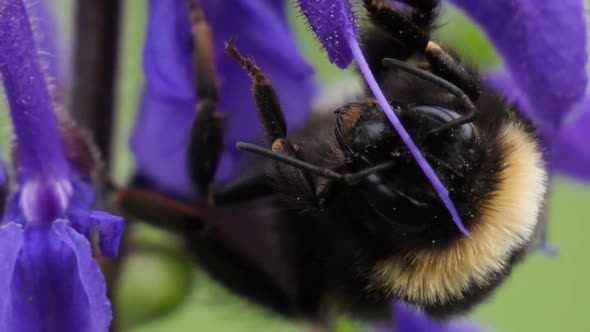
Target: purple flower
544, 48
50, 279
546, 74
409, 320
160, 137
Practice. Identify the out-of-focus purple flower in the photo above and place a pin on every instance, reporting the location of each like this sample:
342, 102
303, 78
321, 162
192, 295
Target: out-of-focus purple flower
546, 73
543, 45
409, 320
544, 48
160, 137
50, 280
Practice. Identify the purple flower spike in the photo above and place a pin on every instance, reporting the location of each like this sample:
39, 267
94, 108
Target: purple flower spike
31, 105
543, 44
50, 280
409, 320
332, 22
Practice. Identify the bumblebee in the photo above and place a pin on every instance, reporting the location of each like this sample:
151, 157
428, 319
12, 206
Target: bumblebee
337, 216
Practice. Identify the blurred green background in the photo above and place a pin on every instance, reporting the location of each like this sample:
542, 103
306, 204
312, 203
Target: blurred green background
161, 291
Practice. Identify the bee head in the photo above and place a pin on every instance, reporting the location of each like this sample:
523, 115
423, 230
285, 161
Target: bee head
402, 194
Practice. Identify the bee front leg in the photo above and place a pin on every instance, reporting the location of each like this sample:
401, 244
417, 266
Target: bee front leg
160, 210
206, 137
294, 184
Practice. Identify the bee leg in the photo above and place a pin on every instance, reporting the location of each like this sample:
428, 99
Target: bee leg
425, 11
206, 136
462, 98
398, 25
413, 31
295, 185
160, 210
241, 274
218, 258
292, 182
250, 186
445, 64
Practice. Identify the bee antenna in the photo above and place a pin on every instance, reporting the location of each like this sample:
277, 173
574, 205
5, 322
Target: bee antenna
465, 101
349, 178
262, 151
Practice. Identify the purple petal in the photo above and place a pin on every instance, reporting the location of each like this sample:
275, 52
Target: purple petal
166, 59
571, 152
11, 241
543, 44
110, 229
40, 152
90, 279
408, 320
168, 99
500, 80
160, 152
80, 207
12, 211
56, 285
332, 22
83, 219
567, 149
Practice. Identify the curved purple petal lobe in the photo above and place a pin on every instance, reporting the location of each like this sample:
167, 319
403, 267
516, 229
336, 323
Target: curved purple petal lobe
543, 44
89, 283
332, 22
568, 150
56, 285
408, 320
110, 229
571, 152
11, 241
40, 151
169, 100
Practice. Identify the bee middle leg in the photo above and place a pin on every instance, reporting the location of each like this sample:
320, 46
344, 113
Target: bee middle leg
412, 30
206, 137
291, 181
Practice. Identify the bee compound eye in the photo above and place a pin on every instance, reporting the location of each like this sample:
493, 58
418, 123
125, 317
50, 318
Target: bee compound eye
444, 115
